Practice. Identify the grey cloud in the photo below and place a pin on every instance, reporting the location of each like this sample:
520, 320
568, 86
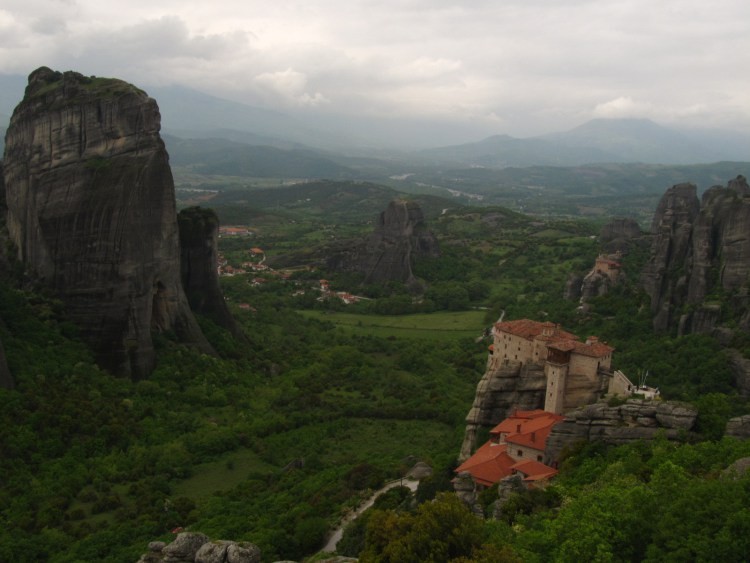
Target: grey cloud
49, 25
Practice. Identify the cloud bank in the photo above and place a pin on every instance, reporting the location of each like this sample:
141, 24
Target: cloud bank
518, 67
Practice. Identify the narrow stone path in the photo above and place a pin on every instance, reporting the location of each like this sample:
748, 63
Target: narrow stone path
330, 546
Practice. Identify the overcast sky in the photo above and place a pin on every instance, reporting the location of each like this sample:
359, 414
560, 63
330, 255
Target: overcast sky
521, 67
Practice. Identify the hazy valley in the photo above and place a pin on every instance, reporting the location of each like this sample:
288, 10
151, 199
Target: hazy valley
256, 371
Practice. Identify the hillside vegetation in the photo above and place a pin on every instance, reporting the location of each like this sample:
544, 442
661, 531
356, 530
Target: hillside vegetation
272, 442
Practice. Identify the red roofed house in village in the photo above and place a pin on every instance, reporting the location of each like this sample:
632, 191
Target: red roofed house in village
516, 445
576, 371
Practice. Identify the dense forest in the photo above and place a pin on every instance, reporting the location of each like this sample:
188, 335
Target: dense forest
274, 441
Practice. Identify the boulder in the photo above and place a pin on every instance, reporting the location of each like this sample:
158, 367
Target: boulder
184, 547
194, 547
739, 427
738, 469
228, 552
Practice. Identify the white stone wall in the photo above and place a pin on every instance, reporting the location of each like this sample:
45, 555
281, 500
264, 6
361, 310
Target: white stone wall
586, 365
554, 397
513, 347
525, 452
619, 384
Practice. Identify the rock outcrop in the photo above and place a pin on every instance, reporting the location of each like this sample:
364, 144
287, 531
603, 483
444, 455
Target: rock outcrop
504, 387
739, 427
91, 211
194, 547
466, 491
665, 277
199, 232
573, 287
6, 378
400, 237
619, 235
740, 368
616, 425
700, 250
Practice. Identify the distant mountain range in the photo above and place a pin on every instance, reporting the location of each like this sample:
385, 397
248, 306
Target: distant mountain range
213, 156
189, 114
598, 141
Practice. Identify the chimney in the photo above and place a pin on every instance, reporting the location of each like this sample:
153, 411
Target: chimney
592, 340
533, 436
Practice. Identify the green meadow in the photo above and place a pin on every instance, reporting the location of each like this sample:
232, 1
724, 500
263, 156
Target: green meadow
441, 325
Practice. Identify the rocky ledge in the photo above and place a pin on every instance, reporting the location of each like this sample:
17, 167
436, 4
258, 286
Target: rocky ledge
621, 424
194, 547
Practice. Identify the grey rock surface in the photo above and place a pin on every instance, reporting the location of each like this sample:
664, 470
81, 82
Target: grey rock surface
631, 421
91, 210
199, 252
504, 387
739, 427
184, 547
664, 277
697, 249
194, 547
400, 236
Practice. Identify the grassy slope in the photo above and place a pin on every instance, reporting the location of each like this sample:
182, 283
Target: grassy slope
443, 325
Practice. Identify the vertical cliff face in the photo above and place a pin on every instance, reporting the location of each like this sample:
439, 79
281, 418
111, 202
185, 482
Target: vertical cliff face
665, 276
700, 251
199, 231
504, 387
91, 210
400, 236
6, 378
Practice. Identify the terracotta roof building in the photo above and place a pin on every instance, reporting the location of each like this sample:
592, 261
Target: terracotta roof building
575, 370
516, 445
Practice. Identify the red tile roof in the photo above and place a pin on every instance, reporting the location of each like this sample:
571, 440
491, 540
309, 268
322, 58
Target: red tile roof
530, 330
511, 423
528, 428
594, 349
489, 464
563, 345
534, 470
559, 340
493, 462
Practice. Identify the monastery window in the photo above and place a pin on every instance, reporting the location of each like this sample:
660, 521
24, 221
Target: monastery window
520, 453
539, 458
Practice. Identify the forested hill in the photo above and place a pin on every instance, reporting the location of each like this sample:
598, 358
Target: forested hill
270, 442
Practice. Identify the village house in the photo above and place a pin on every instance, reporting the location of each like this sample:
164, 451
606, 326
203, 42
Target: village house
234, 231
516, 446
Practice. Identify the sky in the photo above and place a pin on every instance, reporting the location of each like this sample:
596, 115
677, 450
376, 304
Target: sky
518, 67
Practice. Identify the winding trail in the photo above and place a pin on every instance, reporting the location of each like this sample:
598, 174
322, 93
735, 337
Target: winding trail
330, 545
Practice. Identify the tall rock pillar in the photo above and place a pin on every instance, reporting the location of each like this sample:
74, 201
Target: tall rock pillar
91, 210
